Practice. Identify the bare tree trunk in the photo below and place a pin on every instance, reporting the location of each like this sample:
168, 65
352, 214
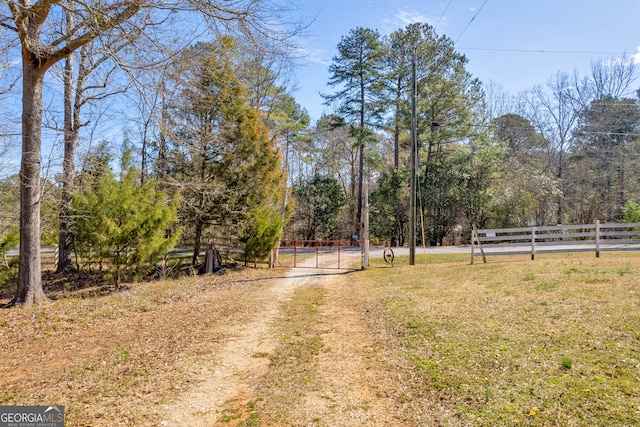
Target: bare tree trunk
360, 186
161, 161
30, 275
196, 244
361, 141
353, 189
70, 140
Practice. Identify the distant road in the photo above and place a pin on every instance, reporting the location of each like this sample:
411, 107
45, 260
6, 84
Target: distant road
377, 251
420, 250
610, 246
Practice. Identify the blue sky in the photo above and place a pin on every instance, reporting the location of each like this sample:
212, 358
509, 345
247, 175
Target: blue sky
514, 43
502, 42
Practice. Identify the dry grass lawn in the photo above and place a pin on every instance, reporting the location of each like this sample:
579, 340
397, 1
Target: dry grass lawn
117, 359
555, 341
550, 342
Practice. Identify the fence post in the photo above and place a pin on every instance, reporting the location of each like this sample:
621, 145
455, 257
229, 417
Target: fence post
295, 252
533, 243
474, 230
597, 238
472, 242
208, 258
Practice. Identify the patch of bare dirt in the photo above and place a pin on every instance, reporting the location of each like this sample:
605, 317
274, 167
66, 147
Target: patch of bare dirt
235, 368
115, 360
350, 380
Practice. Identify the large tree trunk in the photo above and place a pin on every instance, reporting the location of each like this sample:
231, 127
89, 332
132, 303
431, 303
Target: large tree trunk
29, 276
360, 186
196, 243
68, 172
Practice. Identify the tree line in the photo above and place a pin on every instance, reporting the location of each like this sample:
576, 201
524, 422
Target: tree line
87, 43
563, 152
217, 149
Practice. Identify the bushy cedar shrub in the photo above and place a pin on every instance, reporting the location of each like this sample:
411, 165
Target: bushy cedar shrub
631, 212
123, 222
262, 232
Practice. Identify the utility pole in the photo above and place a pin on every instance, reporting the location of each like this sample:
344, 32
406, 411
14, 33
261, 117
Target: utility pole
365, 234
414, 155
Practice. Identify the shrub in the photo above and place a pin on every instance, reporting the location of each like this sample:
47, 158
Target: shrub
124, 222
631, 212
8, 267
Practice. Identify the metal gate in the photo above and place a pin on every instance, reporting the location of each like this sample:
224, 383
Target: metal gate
329, 254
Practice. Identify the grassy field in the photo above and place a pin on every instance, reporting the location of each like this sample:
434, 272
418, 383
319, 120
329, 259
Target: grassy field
554, 341
550, 342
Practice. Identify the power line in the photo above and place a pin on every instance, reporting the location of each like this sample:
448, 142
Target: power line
577, 131
443, 13
579, 52
472, 19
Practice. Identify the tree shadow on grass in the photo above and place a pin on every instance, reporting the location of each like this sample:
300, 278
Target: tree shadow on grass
79, 284
70, 284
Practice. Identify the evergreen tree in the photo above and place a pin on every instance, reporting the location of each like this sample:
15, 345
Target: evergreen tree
10, 202
356, 69
9, 239
601, 170
223, 158
123, 221
390, 207
631, 212
318, 206
262, 232
451, 131
522, 144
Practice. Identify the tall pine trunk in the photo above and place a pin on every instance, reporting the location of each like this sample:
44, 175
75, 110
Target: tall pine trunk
68, 172
30, 275
361, 141
197, 242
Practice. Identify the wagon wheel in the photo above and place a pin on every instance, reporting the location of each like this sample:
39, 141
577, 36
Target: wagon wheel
388, 256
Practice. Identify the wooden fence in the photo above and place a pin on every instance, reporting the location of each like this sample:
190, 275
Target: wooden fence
561, 238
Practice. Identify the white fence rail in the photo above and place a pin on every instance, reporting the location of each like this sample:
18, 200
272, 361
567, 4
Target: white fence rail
561, 238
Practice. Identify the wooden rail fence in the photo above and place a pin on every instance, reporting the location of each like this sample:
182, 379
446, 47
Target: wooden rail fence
561, 238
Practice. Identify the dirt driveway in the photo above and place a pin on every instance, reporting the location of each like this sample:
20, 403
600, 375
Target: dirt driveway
252, 348
308, 358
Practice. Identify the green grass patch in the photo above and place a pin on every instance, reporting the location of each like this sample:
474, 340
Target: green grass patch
122, 356
566, 363
616, 271
7, 397
490, 351
545, 286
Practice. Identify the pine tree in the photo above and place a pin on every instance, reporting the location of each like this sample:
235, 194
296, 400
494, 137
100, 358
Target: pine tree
356, 70
223, 159
123, 221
